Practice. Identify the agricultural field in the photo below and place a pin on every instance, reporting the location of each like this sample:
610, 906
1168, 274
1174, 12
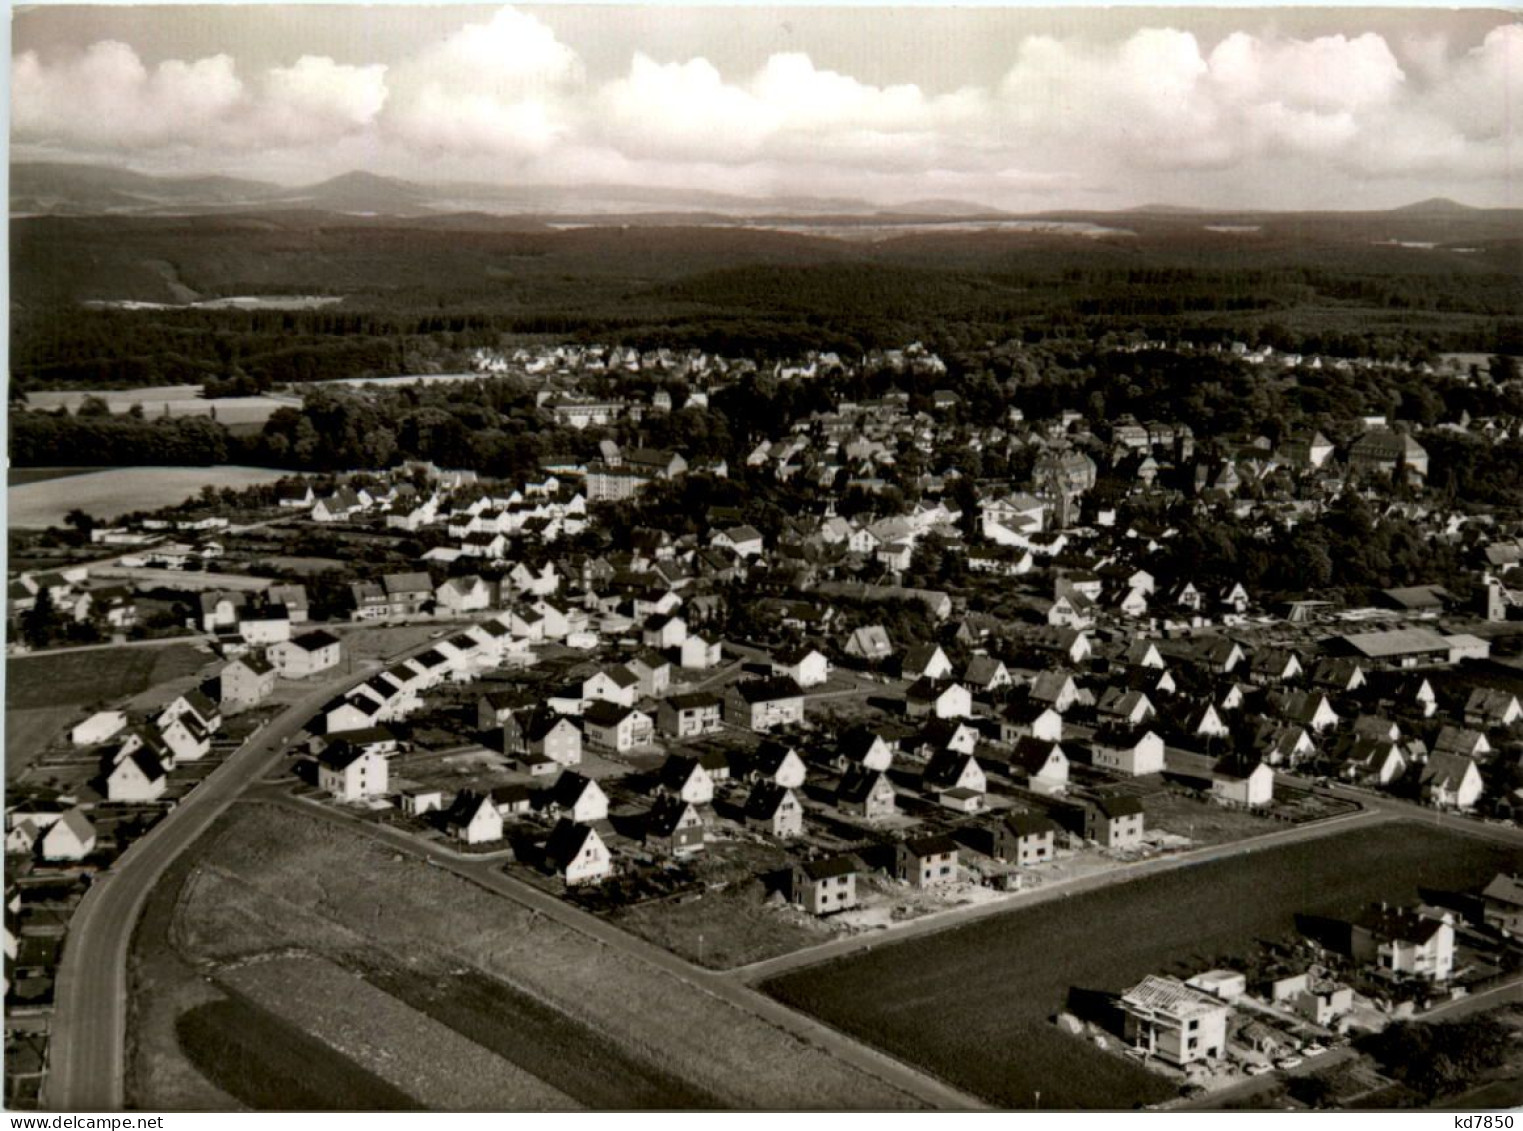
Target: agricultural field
86, 676
974, 1005
20, 476
586, 1022
108, 493
47, 692
164, 400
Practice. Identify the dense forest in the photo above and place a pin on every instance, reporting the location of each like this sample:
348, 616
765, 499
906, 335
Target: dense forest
416, 296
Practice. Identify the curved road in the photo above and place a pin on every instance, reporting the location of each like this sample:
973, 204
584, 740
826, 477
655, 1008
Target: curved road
87, 1049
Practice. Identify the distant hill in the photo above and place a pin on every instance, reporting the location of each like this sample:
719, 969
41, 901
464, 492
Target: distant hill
1436, 206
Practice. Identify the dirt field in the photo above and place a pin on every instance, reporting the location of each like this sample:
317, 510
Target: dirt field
110, 492
723, 929
1204, 822
995, 984
268, 880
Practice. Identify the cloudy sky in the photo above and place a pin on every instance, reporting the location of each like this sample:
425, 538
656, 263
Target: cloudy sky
1016, 108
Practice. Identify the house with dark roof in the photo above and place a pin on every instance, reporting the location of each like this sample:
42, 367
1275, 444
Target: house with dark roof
685, 777
690, 715
1039, 765
1450, 781
577, 854
578, 798
927, 862
1025, 839
773, 809
352, 773
764, 704
823, 887
867, 794
1113, 820
674, 827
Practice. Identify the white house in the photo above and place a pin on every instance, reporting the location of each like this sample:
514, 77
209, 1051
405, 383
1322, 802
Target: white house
577, 853
474, 819
306, 655
71, 837
140, 776
351, 773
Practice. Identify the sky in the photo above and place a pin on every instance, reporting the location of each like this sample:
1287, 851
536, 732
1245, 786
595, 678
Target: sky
1025, 109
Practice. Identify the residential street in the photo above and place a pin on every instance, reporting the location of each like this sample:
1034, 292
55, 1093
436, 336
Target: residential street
90, 1010
946, 920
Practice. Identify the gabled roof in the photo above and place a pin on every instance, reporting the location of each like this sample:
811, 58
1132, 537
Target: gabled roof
860, 783
768, 689
765, 800
570, 787
601, 713
922, 847
1024, 824
678, 768
566, 841
666, 815
845, 864
1031, 754
1505, 889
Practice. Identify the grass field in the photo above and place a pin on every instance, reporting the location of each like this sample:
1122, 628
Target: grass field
163, 400
107, 493
28, 732
586, 1019
973, 1005
94, 676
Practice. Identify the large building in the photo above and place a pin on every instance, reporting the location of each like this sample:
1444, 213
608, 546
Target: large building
1385, 452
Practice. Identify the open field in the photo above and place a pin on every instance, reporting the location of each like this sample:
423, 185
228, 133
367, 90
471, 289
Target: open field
266, 1062
95, 675
107, 493
407, 1049
164, 400
20, 476
28, 732
587, 1020
973, 1005
1204, 822
722, 929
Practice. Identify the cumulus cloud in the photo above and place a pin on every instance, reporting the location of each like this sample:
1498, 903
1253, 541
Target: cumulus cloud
504, 95
503, 86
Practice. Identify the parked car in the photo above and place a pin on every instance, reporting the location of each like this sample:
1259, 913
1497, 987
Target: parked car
1256, 1069
1314, 1049
1288, 1062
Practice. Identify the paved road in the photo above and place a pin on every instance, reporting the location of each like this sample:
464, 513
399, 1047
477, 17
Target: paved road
1412, 811
87, 1051
1063, 889
488, 874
